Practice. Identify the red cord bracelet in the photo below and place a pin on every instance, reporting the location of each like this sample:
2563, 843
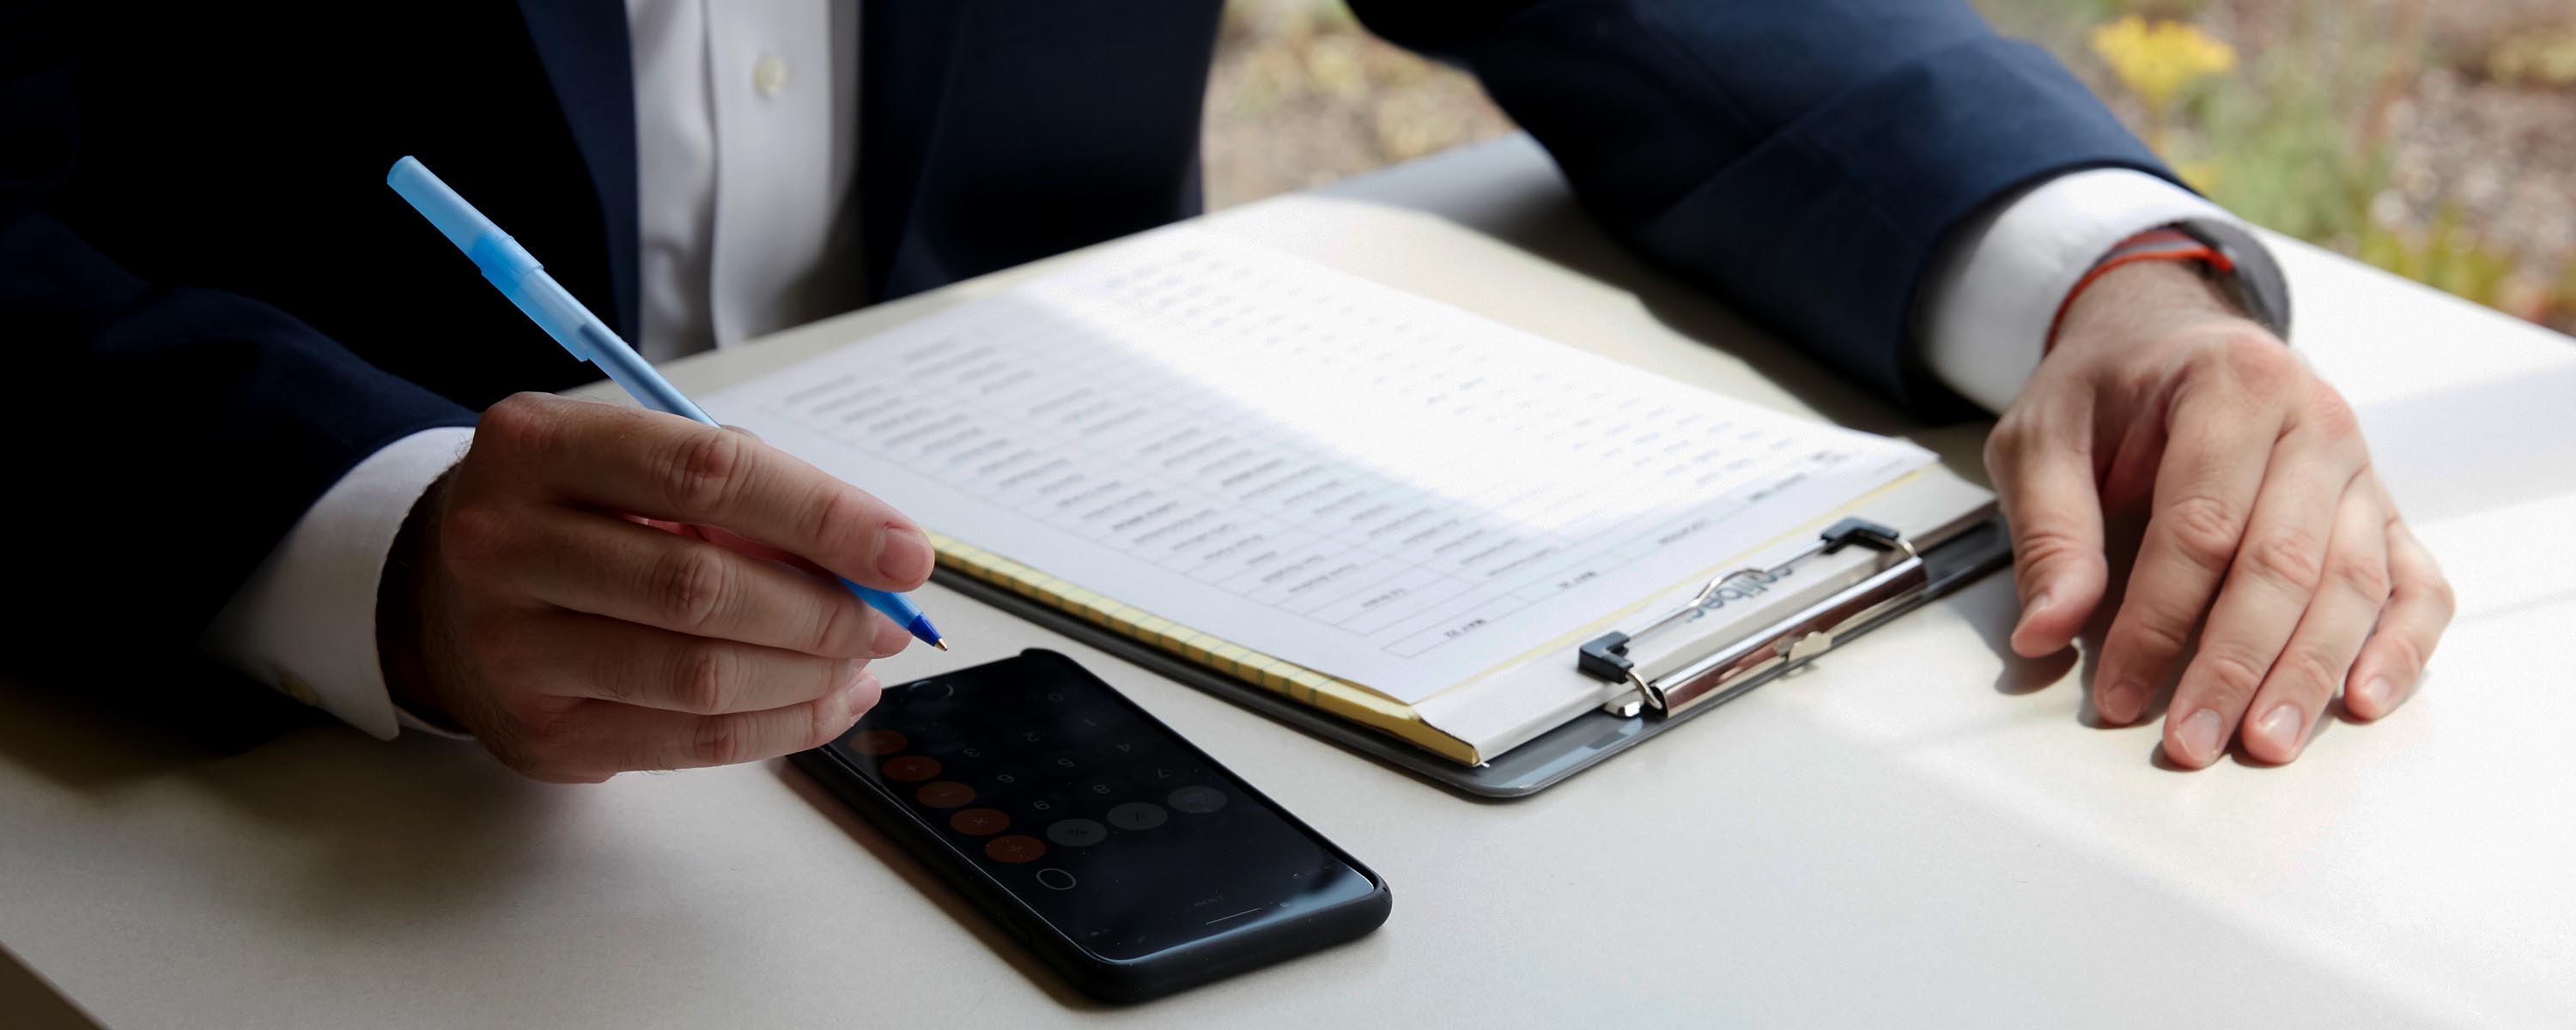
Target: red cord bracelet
2152, 245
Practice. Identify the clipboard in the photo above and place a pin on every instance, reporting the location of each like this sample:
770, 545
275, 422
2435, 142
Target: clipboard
1039, 519
1697, 674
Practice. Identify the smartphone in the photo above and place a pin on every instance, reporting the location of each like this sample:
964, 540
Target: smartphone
1122, 854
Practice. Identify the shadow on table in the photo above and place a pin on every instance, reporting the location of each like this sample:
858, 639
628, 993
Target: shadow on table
32, 1003
1994, 619
97, 735
416, 831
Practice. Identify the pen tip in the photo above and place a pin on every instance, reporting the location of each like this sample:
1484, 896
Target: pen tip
941, 644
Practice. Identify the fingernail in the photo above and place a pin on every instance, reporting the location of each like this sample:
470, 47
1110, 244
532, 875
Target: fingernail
2038, 603
860, 694
2280, 728
2372, 696
904, 555
2199, 736
2123, 701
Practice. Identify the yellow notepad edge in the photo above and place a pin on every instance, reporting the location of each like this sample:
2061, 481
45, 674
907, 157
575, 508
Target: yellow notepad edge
1331, 695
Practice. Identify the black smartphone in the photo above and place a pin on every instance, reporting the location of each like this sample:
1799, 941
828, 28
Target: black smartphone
1125, 856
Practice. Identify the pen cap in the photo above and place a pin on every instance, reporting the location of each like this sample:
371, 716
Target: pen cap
507, 265
500, 257
428, 195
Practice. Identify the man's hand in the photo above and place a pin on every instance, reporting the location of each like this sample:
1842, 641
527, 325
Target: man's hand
530, 602
2263, 518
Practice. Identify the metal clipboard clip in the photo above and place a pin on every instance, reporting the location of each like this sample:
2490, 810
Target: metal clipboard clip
1673, 668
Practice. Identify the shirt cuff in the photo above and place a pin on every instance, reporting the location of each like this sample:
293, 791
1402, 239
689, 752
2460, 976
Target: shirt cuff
305, 621
1996, 286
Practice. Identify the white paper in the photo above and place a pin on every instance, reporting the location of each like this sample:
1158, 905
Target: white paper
1340, 475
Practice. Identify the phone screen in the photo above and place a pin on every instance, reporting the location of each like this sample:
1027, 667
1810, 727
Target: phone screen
1114, 830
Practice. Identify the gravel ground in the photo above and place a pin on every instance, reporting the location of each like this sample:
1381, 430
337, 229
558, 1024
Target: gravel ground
2506, 158
1302, 96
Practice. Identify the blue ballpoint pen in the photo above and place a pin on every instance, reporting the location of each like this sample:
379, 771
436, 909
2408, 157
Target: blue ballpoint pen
520, 278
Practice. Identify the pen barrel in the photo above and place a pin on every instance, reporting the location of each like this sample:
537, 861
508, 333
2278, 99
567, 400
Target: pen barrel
548, 305
648, 388
895, 606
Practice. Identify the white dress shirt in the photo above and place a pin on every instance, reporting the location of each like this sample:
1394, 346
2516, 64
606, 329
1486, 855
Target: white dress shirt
746, 117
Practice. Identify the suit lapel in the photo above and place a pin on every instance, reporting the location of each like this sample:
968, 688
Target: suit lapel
908, 56
584, 47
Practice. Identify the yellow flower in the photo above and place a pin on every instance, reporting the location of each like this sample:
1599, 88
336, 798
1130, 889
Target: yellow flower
2155, 61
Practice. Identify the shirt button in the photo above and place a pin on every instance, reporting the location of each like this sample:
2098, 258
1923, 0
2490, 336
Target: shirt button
769, 76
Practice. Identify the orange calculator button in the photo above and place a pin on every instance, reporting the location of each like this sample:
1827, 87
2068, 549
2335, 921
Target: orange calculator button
944, 794
978, 822
878, 742
1014, 848
910, 768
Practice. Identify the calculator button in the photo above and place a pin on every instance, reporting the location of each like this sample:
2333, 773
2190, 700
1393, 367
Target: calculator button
1055, 879
935, 737
979, 822
1197, 799
1015, 849
910, 768
1006, 780
1061, 763
1051, 806
1097, 790
877, 742
1076, 833
1089, 725
1157, 777
1138, 815
928, 690
944, 794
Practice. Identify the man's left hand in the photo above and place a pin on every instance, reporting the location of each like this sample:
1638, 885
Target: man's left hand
2266, 529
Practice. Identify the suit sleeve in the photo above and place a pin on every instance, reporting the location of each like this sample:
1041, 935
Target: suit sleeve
169, 436
1805, 160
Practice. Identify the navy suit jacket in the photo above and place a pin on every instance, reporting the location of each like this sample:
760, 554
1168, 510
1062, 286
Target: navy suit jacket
227, 308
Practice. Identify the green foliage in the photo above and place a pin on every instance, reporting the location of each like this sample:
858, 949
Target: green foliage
2282, 154
2449, 258
2177, 10
2291, 140
2565, 301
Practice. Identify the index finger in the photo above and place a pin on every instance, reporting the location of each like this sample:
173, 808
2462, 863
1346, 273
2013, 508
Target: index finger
2043, 478
667, 467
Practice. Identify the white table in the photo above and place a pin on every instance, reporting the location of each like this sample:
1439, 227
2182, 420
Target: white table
1917, 831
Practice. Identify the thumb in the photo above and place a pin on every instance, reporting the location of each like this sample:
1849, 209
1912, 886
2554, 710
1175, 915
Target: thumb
2044, 480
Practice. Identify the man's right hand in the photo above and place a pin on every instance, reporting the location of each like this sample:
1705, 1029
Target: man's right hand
529, 603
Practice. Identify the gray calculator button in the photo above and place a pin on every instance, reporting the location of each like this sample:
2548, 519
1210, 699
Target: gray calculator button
931, 689
1077, 833
1138, 815
1197, 799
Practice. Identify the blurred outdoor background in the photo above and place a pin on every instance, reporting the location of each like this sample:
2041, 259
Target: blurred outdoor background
2436, 140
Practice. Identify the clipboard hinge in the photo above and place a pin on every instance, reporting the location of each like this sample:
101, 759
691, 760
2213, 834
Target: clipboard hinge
1791, 640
